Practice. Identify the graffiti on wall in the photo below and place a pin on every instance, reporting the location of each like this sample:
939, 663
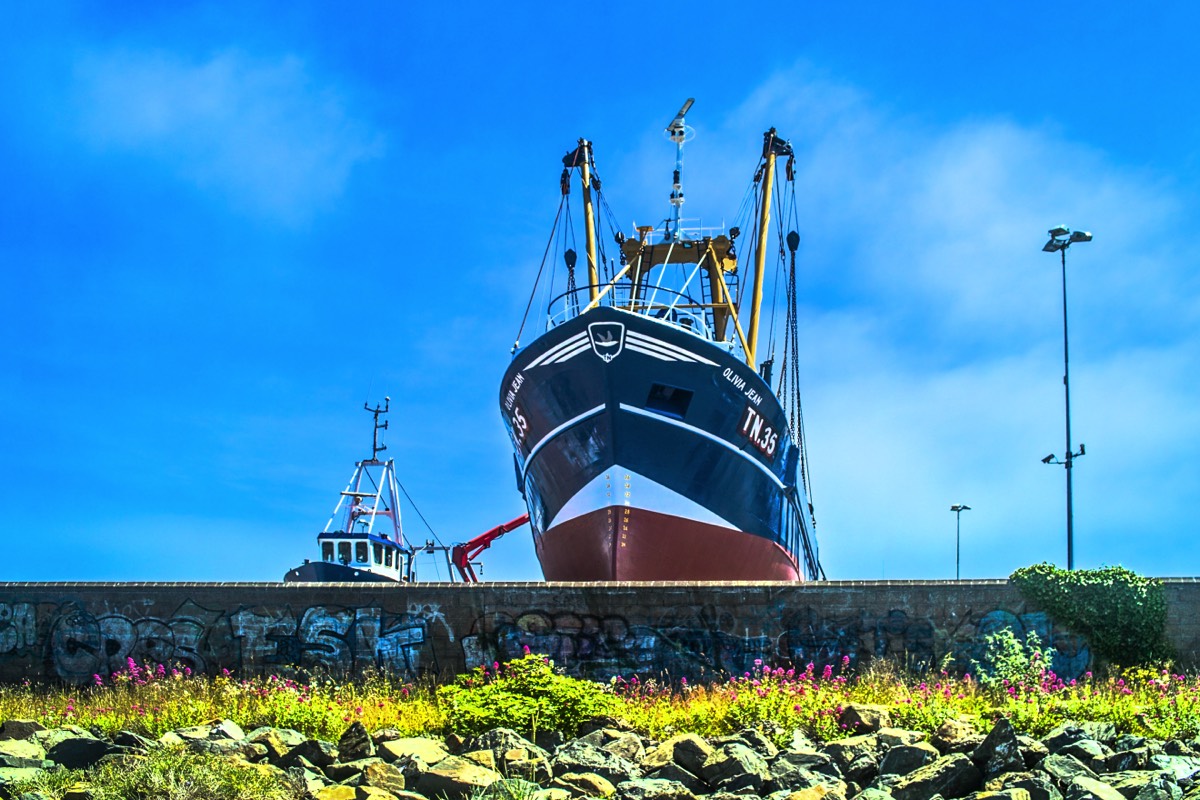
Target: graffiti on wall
73, 640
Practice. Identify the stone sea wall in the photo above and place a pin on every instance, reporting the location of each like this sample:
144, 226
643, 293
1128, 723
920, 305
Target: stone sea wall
72, 631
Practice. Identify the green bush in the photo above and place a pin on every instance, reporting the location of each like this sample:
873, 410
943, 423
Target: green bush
1007, 660
527, 695
1122, 615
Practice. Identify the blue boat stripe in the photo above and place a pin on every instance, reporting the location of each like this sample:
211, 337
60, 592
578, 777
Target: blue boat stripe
553, 351
706, 435
569, 354
650, 341
545, 440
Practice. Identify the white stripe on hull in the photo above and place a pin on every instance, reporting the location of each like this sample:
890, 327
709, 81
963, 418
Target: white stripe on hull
619, 486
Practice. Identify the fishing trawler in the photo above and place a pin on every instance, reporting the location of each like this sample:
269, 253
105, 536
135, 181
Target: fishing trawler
649, 443
363, 539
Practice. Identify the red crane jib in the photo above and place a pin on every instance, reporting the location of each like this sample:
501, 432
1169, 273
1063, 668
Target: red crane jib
461, 555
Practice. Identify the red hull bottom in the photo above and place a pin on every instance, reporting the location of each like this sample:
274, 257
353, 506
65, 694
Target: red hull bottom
620, 543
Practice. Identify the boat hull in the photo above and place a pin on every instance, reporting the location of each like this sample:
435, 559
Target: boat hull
647, 453
332, 572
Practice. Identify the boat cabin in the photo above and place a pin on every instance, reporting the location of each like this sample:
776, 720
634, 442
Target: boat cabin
369, 552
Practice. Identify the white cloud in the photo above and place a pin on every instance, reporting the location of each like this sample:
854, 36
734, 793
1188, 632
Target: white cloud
265, 134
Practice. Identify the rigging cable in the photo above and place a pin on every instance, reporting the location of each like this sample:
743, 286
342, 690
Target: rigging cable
533, 292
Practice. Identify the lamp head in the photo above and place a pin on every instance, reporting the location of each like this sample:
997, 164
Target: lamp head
1080, 236
960, 507
1048, 459
1053, 246
1059, 230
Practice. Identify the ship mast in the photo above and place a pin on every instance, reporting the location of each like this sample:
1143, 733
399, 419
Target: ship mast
772, 147
589, 217
677, 131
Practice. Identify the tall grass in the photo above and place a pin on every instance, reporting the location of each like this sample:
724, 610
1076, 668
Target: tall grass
151, 699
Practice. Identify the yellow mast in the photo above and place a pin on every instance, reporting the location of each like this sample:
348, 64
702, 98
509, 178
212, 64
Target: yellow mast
760, 255
589, 216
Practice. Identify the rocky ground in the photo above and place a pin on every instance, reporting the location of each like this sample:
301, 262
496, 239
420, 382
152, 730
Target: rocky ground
1074, 762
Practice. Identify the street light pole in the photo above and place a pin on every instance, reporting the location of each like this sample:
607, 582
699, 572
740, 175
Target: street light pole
958, 508
1060, 239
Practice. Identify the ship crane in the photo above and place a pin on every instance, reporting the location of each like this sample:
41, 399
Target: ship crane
461, 555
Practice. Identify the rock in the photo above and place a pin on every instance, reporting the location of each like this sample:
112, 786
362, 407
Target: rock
580, 756
1082, 787
734, 767
310, 780
278, 741
903, 759
132, 742
22, 754
20, 728
315, 751
1000, 751
584, 784
1063, 735
894, 737
343, 771
430, 751
862, 770
1182, 767
49, 737
1091, 753
553, 793
1137, 758
653, 789
509, 789
816, 762
752, 738
1103, 732
1130, 783
336, 793
215, 729
627, 746
865, 718
956, 736
79, 752
1032, 751
847, 751
687, 750
1129, 741
1178, 747
800, 743
375, 793
383, 776
1037, 784
455, 777
515, 756
1064, 768
483, 758
246, 751
355, 743
820, 791
873, 793
674, 772
1003, 794
11, 775
950, 776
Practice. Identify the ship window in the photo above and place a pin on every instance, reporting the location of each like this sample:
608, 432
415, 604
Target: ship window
670, 401
378, 552
360, 552
327, 551
344, 552
387, 557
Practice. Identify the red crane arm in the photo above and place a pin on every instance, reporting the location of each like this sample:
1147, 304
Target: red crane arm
461, 555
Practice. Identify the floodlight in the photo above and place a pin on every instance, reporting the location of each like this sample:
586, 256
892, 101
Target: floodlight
1080, 236
1059, 230
1053, 246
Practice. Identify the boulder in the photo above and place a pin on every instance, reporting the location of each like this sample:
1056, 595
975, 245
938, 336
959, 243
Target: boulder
1000, 751
584, 784
653, 789
1038, 784
455, 777
1131, 783
1063, 735
79, 752
383, 776
515, 756
509, 789
956, 736
214, 729
277, 741
335, 793
735, 767
580, 756
686, 750
865, 718
627, 746
430, 751
315, 751
375, 793
950, 776
20, 728
344, 771
355, 743
1064, 768
1091, 753
22, 754
1082, 787
893, 737
816, 762
1182, 767
846, 751
674, 772
903, 759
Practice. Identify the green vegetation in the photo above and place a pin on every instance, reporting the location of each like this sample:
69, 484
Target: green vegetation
169, 773
1122, 615
525, 694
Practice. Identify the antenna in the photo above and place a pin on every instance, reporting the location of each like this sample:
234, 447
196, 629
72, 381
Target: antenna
377, 411
678, 132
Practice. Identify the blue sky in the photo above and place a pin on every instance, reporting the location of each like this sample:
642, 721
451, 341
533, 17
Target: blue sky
225, 227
